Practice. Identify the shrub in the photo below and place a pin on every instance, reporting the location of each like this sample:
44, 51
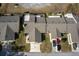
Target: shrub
64, 39
46, 47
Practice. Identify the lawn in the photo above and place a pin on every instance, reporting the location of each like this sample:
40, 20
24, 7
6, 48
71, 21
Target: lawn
46, 45
20, 44
65, 47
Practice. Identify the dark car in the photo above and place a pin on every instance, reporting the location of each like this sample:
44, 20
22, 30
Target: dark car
54, 43
58, 47
74, 46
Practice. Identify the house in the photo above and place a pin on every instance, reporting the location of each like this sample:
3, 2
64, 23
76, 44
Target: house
9, 27
33, 27
55, 25
62, 25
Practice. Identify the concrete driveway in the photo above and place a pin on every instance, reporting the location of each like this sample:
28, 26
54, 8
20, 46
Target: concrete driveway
35, 47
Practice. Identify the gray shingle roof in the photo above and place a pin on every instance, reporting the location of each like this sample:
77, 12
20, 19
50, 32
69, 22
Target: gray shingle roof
62, 24
8, 18
76, 18
72, 28
3, 28
55, 20
70, 20
34, 30
35, 35
10, 34
12, 21
40, 20
8, 26
60, 20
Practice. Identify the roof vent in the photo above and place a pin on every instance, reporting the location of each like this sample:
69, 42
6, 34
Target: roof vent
27, 17
69, 15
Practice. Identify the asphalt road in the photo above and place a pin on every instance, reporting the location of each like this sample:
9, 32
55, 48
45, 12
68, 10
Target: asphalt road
40, 54
52, 54
6, 52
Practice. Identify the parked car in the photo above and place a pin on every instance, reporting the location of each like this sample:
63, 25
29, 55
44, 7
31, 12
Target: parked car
58, 47
74, 46
54, 43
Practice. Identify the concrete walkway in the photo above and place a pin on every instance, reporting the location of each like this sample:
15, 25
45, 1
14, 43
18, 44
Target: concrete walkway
35, 47
54, 49
70, 40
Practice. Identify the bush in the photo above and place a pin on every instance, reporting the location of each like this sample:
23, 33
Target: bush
46, 47
66, 48
25, 48
20, 43
64, 39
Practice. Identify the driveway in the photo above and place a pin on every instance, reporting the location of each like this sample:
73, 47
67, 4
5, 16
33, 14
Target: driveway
54, 49
35, 47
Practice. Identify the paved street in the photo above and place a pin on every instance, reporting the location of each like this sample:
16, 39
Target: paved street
52, 54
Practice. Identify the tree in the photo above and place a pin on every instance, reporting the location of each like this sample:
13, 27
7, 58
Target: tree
72, 8
69, 8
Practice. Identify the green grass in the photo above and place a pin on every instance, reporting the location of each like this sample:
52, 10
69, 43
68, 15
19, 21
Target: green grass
46, 45
27, 47
21, 40
65, 47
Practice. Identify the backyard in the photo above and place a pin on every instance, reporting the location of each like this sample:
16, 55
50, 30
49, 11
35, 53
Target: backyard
46, 45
